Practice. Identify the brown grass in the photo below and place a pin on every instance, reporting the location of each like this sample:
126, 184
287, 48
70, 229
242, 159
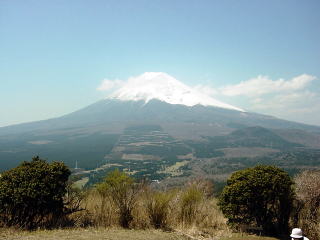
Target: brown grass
117, 234
246, 237
100, 212
206, 220
90, 234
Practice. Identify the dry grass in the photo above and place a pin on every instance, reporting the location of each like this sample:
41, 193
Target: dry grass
246, 237
117, 234
90, 234
100, 212
207, 220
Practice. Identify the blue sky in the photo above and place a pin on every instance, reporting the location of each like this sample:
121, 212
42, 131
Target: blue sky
55, 54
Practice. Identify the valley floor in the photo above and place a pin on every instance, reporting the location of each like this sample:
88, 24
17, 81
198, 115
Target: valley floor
111, 234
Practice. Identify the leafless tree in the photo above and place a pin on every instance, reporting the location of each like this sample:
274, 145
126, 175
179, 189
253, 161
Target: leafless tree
308, 203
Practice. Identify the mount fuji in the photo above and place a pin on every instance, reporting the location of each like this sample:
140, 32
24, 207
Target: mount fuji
163, 87
154, 120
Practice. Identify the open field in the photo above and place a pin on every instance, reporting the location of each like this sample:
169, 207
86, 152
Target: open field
111, 234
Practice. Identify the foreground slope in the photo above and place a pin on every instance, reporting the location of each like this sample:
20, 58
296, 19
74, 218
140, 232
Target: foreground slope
114, 234
91, 234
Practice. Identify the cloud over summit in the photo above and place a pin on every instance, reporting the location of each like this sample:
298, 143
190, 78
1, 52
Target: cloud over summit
108, 84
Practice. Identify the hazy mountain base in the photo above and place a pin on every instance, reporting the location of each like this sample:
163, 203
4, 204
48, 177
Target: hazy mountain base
148, 151
112, 116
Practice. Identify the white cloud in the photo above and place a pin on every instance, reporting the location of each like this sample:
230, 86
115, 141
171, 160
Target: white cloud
301, 106
287, 102
291, 99
210, 91
110, 84
262, 85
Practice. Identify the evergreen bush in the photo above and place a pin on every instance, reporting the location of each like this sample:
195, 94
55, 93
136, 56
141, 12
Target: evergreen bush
31, 195
261, 196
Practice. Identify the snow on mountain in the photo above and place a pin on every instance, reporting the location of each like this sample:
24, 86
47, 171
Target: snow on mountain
161, 86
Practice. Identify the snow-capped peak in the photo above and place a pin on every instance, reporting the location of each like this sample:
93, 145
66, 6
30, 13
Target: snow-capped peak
161, 86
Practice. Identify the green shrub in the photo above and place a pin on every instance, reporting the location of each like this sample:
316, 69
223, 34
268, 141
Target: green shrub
260, 196
31, 195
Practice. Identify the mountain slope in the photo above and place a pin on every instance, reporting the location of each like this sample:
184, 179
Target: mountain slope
88, 135
180, 120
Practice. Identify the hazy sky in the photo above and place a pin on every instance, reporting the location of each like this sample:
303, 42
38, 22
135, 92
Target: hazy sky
263, 56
